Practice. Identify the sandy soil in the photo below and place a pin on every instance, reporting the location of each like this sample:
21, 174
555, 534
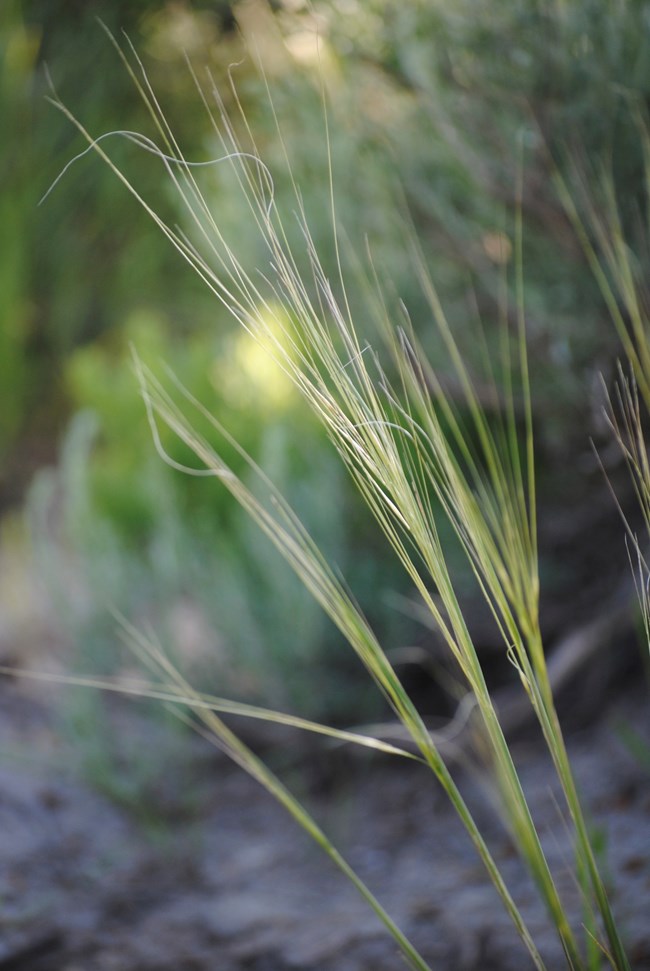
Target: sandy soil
224, 880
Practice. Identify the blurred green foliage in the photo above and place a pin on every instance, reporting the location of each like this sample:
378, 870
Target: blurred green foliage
17, 57
71, 265
434, 108
178, 547
556, 84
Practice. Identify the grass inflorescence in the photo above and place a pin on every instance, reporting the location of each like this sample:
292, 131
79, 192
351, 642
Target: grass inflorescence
421, 460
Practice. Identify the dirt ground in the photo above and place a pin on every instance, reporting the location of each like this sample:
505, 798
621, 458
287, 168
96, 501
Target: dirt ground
227, 881
198, 868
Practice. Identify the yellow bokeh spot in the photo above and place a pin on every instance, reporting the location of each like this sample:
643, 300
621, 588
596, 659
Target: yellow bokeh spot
252, 373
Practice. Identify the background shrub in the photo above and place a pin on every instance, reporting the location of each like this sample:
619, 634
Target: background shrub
436, 105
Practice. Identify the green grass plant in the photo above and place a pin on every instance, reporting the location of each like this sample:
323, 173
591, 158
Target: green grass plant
615, 254
421, 462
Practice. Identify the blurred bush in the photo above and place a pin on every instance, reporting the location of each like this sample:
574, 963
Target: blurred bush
175, 551
18, 51
558, 85
441, 106
70, 267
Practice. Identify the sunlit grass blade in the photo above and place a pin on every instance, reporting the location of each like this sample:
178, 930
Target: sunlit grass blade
287, 533
170, 694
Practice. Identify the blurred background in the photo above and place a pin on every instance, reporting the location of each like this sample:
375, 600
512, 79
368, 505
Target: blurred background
434, 108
